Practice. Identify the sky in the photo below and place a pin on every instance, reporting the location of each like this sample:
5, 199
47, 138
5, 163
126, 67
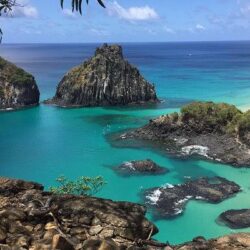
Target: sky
43, 21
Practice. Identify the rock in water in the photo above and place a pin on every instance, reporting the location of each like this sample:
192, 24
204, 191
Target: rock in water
170, 200
17, 88
236, 218
105, 79
142, 167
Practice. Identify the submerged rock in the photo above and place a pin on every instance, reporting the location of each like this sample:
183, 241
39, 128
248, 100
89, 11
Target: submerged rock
217, 132
236, 218
17, 88
143, 167
170, 200
105, 79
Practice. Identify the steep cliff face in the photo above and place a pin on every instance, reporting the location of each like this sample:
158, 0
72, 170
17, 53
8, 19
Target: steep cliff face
17, 87
105, 79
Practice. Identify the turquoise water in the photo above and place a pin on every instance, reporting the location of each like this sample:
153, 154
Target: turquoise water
44, 142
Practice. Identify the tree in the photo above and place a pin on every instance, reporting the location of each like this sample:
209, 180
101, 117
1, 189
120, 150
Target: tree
77, 4
82, 186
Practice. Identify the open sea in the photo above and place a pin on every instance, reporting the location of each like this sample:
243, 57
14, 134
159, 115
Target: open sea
41, 143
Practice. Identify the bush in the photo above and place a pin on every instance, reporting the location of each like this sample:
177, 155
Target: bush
210, 115
82, 186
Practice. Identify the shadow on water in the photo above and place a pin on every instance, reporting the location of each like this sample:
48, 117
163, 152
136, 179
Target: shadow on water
164, 103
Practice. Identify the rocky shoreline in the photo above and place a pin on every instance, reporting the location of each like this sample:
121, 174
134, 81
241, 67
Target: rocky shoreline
31, 218
106, 79
170, 200
216, 132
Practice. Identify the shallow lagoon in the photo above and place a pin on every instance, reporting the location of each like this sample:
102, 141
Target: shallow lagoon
44, 142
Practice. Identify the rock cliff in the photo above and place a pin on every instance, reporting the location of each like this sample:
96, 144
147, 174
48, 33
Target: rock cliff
17, 88
105, 79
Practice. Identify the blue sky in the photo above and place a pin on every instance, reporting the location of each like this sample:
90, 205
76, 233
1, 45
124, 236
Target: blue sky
128, 21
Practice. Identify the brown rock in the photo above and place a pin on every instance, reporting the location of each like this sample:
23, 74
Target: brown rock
60, 243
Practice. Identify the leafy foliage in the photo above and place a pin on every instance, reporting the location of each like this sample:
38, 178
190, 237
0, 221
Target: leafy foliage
77, 4
82, 186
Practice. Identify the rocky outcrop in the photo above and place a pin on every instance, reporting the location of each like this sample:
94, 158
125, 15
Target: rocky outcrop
236, 218
33, 219
170, 200
143, 167
17, 88
105, 79
229, 242
217, 132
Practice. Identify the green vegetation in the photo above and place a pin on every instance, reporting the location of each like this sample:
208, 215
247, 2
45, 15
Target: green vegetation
21, 77
82, 186
216, 117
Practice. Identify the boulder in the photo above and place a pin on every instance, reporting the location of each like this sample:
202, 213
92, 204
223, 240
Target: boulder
143, 167
236, 218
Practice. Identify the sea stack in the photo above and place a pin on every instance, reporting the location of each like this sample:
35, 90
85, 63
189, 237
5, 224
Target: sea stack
18, 88
106, 79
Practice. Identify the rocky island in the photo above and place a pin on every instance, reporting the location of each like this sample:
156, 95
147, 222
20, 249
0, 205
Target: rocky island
106, 79
218, 132
18, 88
169, 200
143, 167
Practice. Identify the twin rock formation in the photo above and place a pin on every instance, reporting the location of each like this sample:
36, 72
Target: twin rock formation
106, 79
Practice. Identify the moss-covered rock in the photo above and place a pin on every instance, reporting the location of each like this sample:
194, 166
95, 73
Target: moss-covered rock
17, 87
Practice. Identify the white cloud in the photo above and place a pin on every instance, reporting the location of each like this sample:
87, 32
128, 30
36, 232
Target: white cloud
69, 14
23, 9
168, 30
99, 31
200, 27
143, 13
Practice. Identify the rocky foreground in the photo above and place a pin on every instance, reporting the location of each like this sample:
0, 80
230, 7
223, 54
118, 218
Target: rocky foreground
142, 167
18, 88
170, 200
217, 132
31, 218
106, 79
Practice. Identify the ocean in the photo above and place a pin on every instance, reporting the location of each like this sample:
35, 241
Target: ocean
43, 142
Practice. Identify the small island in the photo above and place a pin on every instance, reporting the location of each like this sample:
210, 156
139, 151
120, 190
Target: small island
142, 167
106, 79
218, 132
18, 89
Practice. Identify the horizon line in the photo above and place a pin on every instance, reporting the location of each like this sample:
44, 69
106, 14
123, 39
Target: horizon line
138, 42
